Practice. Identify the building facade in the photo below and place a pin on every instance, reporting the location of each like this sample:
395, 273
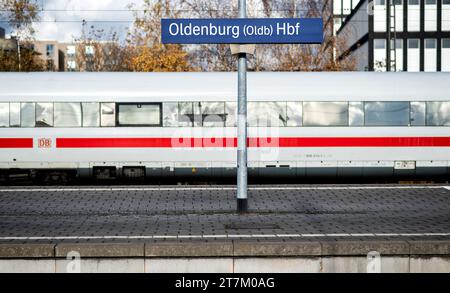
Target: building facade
63, 56
341, 9
399, 35
50, 53
69, 52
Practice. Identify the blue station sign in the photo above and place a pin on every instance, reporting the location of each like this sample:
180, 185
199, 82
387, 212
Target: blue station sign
242, 31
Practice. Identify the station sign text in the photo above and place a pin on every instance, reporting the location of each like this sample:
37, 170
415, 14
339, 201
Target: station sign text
242, 31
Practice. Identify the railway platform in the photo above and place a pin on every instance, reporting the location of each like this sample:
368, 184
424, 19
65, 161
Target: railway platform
289, 228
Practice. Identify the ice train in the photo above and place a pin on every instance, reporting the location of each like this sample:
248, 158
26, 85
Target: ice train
57, 126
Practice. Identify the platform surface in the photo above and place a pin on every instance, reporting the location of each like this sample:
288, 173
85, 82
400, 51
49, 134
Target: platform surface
319, 219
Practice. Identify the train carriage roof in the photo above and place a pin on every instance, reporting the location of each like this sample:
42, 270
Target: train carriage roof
262, 86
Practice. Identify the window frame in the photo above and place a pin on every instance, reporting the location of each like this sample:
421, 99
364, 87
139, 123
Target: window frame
427, 41
411, 124
22, 116
9, 115
81, 115
36, 115
270, 126
223, 115
300, 114
410, 41
99, 106
388, 125
325, 101
427, 109
161, 120
445, 43
159, 104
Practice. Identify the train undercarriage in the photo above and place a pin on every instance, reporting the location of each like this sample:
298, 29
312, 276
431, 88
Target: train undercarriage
268, 175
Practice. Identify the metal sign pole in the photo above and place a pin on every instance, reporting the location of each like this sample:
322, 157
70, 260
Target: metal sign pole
242, 204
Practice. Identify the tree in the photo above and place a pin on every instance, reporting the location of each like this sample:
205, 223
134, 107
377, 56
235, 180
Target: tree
211, 57
267, 57
29, 61
149, 53
305, 57
20, 15
97, 50
160, 58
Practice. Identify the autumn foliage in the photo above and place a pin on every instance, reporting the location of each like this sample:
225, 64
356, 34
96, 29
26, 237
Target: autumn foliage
160, 58
20, 15
141, 49
29, 61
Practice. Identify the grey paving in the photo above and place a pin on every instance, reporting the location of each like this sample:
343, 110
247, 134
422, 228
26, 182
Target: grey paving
58, 213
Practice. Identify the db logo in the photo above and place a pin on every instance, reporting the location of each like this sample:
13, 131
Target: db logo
44, 143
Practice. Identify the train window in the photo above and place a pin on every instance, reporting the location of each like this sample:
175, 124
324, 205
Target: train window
438, 113
44, 114
231, 114
107, 116
267, 114
278, 115
145, 114
90, 115
170, 114
27, 115
325, 113
386, 113
197, 117
417, 113
67, 115
252, 114
356, 114
14, 115
294, 111
213, 114
4, 114
185, 114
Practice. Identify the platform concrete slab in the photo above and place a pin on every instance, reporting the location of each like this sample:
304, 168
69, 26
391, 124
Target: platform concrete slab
394, 264
278, 265
352, 264
364, 247
27, 265
101, 249
30, 250
436, 264
430, 247
189, 249
265, 248
189, 265
103, 265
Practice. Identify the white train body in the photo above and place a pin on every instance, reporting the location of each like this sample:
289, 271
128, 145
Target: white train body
327, 124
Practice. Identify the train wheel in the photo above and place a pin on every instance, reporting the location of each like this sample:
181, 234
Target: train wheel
54, 177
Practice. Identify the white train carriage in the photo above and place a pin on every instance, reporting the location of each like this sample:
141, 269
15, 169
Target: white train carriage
163, 125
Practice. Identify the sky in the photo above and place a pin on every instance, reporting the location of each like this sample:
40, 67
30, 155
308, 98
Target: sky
61, 20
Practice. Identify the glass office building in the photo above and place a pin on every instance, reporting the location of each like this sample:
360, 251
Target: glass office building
395, 35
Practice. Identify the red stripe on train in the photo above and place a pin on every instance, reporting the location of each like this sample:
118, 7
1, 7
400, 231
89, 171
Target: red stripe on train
16, 143
286, 142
